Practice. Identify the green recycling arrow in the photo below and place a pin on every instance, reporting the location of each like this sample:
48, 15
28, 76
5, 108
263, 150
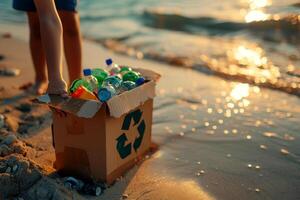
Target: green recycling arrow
123, 150
135, 115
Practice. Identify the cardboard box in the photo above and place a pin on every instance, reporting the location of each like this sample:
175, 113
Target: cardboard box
102, 140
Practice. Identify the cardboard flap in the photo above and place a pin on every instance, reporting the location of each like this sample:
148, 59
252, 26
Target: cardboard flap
123, 103
78, 107
117, 105
148, 74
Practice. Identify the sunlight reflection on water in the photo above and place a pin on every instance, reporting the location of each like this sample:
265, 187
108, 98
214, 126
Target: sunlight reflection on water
247, 56
256, 15
240, 91
252, 62
256, 10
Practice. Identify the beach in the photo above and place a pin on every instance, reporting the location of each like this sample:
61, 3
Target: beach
217, 139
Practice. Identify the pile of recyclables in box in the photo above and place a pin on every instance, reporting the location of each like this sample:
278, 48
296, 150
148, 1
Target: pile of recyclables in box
106, 124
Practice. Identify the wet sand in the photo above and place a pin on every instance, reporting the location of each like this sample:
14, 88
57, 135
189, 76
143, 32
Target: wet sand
218, 139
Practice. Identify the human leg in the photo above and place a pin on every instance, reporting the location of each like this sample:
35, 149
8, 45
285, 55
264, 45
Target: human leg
37, 54
51, 34
72, 43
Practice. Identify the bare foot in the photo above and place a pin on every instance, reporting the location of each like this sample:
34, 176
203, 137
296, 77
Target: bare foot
38, 88
58, 87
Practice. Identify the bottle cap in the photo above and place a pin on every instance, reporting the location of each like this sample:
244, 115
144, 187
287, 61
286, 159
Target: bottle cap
140, 81
104, 94
87, 72
108, 61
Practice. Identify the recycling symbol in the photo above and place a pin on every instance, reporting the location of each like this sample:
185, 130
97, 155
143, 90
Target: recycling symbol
125, 150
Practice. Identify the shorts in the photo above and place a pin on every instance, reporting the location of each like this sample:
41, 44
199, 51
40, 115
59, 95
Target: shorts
28, 5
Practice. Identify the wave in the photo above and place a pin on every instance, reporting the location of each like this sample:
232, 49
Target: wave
224, 68
174, 21
288, 25
296, 5
96, 18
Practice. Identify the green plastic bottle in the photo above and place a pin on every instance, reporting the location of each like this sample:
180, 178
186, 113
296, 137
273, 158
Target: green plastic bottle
124, 70
80, 82
131, 76
100, 75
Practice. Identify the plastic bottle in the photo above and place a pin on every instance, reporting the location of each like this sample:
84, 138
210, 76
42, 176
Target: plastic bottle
73, 183
92, 189
114, 81
100, 75
127, 85
124, 70
131, 76
79, 82
90, 79
83, 187
140, 81
106, 92
112, 68
82, 93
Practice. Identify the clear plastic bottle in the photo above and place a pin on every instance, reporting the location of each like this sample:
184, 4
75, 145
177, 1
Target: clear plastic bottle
114, 81
127, 85
88, 77
111, 67
106, 92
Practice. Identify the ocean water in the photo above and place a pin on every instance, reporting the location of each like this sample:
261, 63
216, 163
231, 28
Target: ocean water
253, 41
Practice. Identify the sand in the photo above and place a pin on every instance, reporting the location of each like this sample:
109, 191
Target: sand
217, 139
